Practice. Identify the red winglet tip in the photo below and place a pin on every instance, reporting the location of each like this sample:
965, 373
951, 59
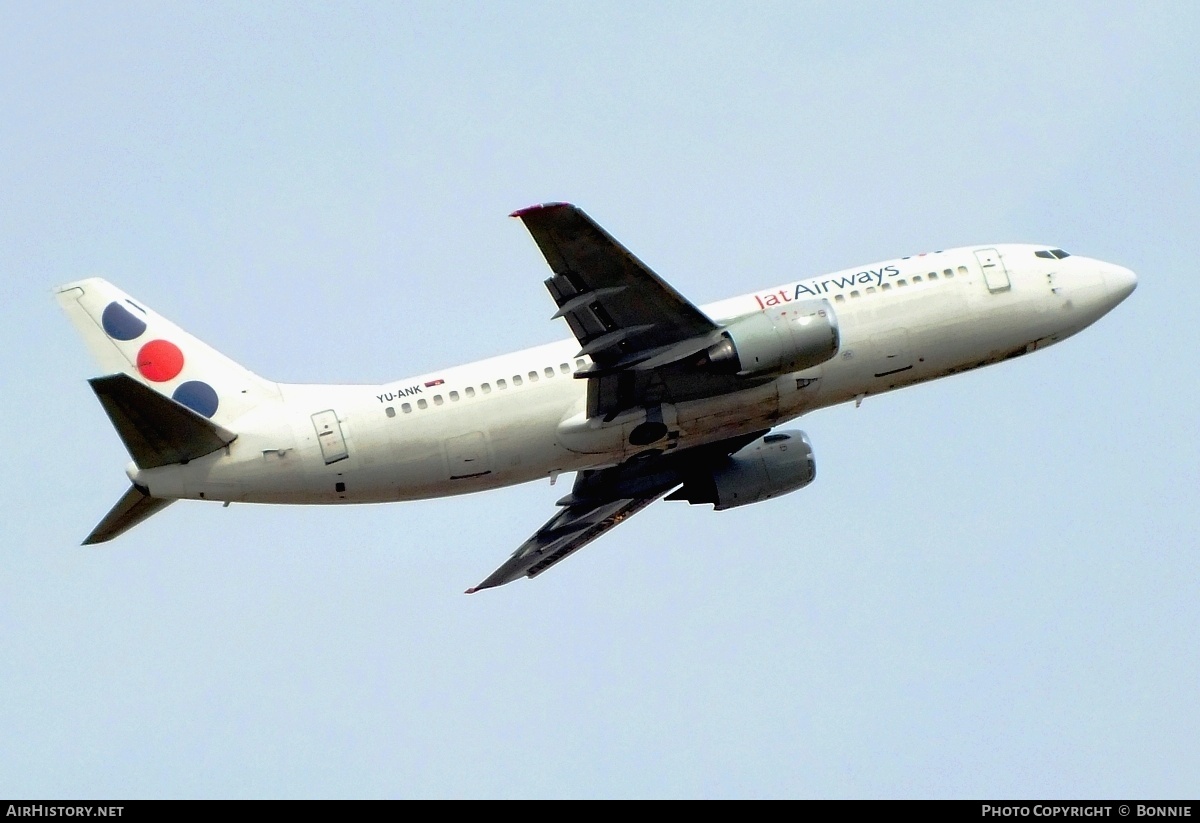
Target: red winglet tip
537, 207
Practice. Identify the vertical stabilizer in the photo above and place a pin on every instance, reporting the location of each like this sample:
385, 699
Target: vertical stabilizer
128, 338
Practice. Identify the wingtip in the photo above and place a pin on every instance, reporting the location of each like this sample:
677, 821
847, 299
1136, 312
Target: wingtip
539, 207
471, 590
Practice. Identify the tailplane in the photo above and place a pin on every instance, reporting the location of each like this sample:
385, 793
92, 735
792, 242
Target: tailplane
133, 507
156, 430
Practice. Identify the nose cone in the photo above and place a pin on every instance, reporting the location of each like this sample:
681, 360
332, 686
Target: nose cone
1120, 282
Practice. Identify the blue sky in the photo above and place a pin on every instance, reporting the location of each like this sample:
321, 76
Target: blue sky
989, 591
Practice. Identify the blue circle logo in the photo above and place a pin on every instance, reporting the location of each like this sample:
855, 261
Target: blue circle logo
120, 323
197, 396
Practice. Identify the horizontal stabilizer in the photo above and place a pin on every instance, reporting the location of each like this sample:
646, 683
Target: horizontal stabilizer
156, 430
133, 507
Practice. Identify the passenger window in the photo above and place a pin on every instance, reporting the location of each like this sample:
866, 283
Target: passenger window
962, 270
579, 364
564, 368
933, 275
901, 282
886, 287
437, 400
516, 379
917, 279
421, 404
947, 272
533, 377
501, 385
486, 388
549, 371
870, 289
839, 298
406, 408
470, 390
454, 396
855, 293
389, 411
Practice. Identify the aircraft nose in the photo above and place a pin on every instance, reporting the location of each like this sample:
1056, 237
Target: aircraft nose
1120, 282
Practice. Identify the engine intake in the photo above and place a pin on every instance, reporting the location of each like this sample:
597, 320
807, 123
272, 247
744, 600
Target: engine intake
778, 341
771, 466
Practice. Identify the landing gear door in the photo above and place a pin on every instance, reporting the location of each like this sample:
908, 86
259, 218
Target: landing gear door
994, 273
329, 435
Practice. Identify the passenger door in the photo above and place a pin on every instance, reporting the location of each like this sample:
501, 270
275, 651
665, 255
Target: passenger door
329, 435
995, 275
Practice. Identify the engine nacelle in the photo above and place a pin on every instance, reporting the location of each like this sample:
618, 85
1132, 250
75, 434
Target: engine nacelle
779, 340
773, 465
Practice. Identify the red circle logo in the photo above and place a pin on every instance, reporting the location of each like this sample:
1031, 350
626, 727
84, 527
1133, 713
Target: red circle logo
160, 361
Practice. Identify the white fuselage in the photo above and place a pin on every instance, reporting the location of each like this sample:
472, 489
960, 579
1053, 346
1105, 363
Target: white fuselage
521, 416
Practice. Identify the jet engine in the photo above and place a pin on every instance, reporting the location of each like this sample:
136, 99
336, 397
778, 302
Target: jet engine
779, 340
771, 466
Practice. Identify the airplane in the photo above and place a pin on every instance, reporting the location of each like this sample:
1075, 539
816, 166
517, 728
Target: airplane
654, 397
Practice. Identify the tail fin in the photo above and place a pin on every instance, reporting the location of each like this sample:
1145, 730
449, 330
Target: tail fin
169, 396
126, 337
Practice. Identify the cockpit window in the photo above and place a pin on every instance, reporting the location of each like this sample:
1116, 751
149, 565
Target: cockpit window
1052, 254
1044, 254
1059, 253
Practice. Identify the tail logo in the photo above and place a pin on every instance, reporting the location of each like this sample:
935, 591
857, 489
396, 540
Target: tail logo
121, 324
159, 361
197, 396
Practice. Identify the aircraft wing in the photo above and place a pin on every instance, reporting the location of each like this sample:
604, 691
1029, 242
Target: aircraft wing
640, 333
603, 498
564, 534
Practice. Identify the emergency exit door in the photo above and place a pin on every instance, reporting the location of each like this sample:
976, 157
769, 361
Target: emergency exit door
329, 435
